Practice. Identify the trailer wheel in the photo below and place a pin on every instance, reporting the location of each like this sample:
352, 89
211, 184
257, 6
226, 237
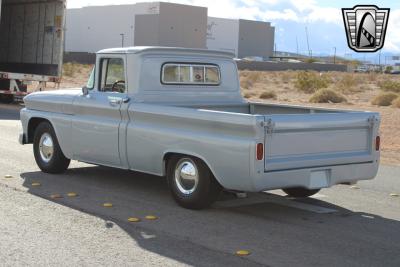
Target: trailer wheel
47, 151
300, 192
6, 98
191, 182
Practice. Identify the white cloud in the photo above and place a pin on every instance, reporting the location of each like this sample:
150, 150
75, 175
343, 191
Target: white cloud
311, 12
392, 42
303, 5
286, 14
325, 14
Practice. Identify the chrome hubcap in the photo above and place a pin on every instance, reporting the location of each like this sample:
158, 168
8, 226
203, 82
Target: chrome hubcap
46, 147
186, 176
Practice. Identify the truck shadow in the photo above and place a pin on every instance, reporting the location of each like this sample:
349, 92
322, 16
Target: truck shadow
268, 229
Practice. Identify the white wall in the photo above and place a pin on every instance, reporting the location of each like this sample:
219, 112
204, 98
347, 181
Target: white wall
223, 34
90, 29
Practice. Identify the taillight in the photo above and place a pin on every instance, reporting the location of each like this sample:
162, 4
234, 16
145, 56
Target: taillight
377, 143
260, 151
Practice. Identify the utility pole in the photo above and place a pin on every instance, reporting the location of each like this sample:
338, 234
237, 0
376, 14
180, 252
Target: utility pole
133, 36
308, 43
275, 48
334, 55
122, 39
379, 60
297, 46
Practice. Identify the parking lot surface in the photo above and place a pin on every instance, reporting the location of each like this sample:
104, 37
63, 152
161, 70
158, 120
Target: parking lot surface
41, 225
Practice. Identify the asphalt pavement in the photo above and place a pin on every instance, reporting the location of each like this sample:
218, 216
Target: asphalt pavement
341, 226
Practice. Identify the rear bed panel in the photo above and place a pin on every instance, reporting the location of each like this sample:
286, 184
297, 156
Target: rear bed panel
313, 140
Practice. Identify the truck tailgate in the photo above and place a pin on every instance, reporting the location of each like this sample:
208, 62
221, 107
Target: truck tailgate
323, 139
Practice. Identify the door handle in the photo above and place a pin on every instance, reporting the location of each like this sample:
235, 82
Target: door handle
118, 100
114, 101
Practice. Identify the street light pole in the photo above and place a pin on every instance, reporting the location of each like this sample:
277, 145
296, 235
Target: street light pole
122, 39
308, 43
379, 58
334, 56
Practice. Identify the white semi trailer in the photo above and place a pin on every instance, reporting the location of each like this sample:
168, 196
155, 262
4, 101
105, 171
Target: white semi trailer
31, 45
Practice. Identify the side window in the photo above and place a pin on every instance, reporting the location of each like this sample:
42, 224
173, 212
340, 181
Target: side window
188, 74
90, 82
112, 75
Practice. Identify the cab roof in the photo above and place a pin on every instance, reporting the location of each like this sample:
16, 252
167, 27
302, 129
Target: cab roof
160, 49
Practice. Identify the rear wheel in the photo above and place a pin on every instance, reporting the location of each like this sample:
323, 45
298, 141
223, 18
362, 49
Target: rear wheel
191, 182
300, 192
47, 151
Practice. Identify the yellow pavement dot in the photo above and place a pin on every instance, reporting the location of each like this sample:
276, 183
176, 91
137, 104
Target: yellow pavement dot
8, 176
394, 195
133, 219
72, 194
243, 253
151, 217
55, 196
36, 184
354, 187
107, 205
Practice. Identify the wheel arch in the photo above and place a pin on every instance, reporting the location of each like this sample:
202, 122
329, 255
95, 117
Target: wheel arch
168, 154
33, 123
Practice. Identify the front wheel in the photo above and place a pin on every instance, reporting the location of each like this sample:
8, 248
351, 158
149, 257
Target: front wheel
47, 151
191, 182
300, 192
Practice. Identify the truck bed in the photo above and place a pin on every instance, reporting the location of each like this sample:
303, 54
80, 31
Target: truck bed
308, 137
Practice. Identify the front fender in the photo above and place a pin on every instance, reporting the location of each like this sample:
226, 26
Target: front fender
60, 122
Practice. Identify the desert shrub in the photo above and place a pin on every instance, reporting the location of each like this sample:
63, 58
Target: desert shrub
248, 95
388, 69
70, 68
310, 60
327, 96
268, 95
372, 76
390, 86
286, 76
249, 78
309, 82
350, 83
384, 99
396, 102
254, 76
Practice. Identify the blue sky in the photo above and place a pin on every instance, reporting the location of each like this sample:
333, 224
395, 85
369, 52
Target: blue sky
290, 17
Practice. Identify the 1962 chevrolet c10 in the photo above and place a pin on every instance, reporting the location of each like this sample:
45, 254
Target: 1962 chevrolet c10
179, 113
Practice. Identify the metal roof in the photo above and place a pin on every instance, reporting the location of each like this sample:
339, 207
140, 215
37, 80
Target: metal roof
145, 49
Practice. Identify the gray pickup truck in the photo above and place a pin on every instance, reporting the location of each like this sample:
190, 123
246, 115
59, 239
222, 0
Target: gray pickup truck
179, 113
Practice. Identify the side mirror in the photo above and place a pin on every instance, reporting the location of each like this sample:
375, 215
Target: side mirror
85, 90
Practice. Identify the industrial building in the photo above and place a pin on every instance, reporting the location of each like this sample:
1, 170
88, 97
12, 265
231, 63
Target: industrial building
244, 38
93, 28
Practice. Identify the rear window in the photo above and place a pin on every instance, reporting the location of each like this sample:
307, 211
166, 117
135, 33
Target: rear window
199, 74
